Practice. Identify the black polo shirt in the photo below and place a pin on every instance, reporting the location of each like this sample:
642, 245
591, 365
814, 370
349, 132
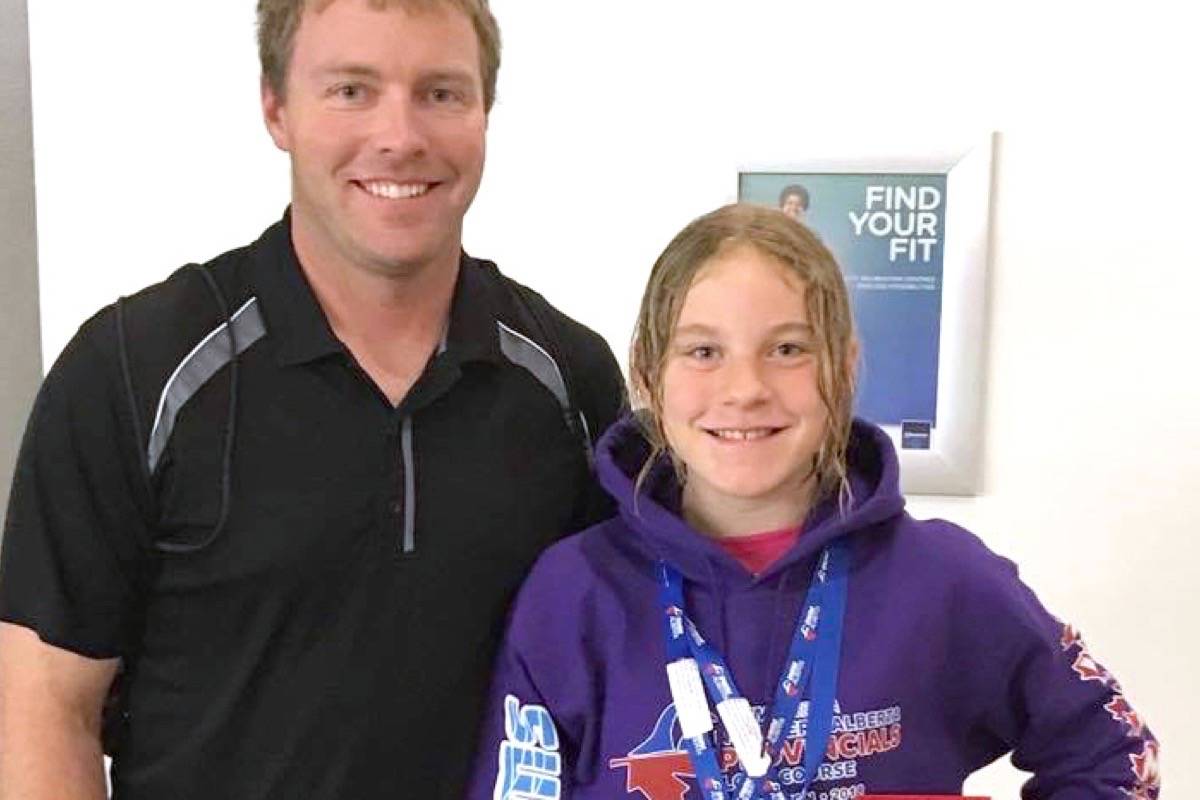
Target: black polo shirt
334, 640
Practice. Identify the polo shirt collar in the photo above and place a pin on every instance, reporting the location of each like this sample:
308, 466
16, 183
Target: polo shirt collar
473, 334
301, 332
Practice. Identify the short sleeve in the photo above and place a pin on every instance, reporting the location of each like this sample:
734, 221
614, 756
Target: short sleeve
603, 399
73, 551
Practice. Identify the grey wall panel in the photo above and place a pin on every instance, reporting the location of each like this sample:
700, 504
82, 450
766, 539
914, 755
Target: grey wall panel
20, 331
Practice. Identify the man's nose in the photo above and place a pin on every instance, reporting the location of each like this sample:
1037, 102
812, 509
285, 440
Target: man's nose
400, 128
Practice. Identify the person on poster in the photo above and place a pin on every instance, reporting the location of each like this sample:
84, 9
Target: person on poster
793, 201
763, 574
287, 495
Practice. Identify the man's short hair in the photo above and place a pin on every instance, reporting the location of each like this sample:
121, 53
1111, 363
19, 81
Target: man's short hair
278, 21
794, 189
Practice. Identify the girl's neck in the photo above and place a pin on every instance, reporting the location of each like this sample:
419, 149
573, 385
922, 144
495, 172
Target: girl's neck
720, 516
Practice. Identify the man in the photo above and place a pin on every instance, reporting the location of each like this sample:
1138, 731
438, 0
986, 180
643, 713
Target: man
285, 498
793, 201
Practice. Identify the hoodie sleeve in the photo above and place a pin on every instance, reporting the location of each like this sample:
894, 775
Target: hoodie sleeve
521, 755
1065, 717
528, 745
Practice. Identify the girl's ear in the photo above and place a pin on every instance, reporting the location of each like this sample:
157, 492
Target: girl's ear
852, 359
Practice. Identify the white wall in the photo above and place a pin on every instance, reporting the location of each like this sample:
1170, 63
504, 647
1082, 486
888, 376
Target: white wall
20, 346
619, 121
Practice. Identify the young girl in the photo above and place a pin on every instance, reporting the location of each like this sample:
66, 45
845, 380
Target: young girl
763, 619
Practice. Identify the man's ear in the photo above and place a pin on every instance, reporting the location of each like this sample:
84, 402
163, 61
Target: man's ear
274, 115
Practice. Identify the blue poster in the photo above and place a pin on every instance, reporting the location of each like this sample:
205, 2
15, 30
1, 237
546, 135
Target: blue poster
887, 233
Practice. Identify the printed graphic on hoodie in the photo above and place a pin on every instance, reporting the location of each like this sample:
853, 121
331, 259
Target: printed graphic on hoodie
530, 766
1144, 763
659, 768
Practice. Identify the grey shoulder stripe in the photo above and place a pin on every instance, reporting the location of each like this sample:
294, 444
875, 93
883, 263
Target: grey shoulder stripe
528, 354
205, 360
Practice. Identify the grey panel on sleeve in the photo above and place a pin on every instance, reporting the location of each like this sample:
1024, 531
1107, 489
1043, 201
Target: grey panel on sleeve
205, 360
529, 355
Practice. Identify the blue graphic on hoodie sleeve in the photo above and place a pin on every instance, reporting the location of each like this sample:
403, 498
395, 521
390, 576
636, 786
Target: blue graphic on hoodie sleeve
530, 765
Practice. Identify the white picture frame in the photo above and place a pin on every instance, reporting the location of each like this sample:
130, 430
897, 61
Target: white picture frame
950, 462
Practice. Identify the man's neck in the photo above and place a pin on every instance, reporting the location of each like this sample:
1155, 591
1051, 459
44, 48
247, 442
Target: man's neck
391, 323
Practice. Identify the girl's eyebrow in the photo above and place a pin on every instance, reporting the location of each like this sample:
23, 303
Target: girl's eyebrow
695, 329
700, 329
789, 327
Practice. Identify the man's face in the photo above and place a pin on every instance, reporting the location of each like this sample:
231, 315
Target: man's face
384, 120
793, 206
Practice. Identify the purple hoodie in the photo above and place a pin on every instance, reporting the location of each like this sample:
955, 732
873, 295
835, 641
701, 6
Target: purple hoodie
948, 660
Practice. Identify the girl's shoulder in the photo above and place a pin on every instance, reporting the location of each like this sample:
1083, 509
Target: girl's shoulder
587, 554
949, 571
942, 552
589, 570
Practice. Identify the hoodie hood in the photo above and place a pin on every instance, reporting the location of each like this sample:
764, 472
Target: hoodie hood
654, 512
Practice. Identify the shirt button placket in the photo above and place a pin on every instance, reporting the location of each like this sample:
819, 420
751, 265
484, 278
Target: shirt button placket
394, 505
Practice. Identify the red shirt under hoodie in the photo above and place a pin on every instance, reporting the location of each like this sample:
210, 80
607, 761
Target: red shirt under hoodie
758, 551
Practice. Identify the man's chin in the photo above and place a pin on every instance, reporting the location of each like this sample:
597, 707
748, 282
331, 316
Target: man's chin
401, 250
403, 262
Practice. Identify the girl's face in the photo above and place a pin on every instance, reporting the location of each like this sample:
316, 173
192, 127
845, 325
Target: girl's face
740, 405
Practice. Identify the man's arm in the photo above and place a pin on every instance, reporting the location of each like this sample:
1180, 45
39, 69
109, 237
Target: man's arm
50, 711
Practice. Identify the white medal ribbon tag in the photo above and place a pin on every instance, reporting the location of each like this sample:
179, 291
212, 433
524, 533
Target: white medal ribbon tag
687, 690
745, 734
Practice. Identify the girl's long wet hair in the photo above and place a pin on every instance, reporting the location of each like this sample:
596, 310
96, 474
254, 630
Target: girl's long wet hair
797, 249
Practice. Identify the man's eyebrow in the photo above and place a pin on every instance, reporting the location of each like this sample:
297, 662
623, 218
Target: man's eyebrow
349, 69
440, 75
449, 74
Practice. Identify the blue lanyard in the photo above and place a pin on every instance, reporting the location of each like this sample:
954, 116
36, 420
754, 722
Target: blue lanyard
694, 667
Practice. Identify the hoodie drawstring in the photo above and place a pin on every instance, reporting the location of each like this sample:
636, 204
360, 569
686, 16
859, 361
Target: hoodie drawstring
771, 667
722, 631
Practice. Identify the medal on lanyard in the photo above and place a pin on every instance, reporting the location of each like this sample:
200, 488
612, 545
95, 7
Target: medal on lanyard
694, 666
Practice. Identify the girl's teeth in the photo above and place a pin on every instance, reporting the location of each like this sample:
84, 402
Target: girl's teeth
743, 435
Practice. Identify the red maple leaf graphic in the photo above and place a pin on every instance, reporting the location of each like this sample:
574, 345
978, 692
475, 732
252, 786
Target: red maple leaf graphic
1088, 669
1070, 637
1138, 793
1145, 766
657, 777
1120, 710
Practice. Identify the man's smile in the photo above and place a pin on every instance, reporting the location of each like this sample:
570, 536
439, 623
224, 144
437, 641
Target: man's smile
392, 190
